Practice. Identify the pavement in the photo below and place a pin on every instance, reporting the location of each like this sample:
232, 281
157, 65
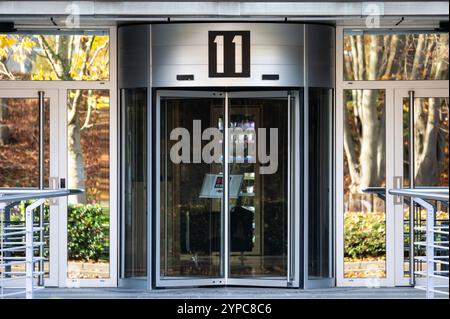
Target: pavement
230, 293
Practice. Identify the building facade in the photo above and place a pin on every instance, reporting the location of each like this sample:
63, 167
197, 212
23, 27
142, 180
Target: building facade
225, 143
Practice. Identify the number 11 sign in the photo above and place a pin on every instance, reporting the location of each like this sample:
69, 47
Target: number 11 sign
229, 54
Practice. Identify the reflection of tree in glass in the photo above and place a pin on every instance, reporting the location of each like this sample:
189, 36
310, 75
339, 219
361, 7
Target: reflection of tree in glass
88, 144
431, 145
401, 56
61, 57
364, 138
54, 57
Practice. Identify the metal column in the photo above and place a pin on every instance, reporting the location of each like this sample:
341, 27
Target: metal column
411, 185
41, 181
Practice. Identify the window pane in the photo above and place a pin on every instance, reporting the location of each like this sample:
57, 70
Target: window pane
319, 220
431, 141
19, 142
395, 56
364, 167
51, 57
135, 181
88, 168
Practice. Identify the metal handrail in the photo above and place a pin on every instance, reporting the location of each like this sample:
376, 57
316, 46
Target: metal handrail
422, 197
14, 195
438, 194
21, 239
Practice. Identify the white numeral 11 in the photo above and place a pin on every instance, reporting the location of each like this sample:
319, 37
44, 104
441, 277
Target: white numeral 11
220, 49
237, 40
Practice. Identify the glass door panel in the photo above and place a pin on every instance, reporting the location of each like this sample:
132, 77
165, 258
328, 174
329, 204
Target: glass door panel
259, 159
191, 189
364, 184
19, 162
428, 151
88, 167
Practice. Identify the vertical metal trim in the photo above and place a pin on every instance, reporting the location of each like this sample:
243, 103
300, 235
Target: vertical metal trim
166, 187
289, 224
41, 180
411, 185
331, 127
297, 188
121, 148
305, 159
150, 157
226, 215
156, 157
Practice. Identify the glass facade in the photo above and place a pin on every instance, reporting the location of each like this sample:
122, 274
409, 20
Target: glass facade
389, 56
191, 233
77, 140
58, 56
395, 55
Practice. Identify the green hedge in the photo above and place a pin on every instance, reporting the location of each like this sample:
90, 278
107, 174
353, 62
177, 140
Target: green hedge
364, 235
87, 232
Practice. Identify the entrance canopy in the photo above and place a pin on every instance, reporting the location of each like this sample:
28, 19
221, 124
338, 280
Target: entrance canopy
110, 12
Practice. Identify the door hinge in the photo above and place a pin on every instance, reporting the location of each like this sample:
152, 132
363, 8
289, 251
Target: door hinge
54, 184
398, 183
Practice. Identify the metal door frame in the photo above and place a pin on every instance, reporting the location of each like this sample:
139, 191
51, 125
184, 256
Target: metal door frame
52, 95
399, 95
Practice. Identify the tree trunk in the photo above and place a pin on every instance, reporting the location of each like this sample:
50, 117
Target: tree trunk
417, 57
75, 161
427, 172
369, 140
76, 173
350, 154
370, 123
392, 53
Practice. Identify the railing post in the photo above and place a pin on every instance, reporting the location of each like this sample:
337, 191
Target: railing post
2, 262
430, 251
41, 179
29, 251
412, 280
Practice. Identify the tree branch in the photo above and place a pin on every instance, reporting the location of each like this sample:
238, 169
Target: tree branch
4, 70
50, 54
90, 103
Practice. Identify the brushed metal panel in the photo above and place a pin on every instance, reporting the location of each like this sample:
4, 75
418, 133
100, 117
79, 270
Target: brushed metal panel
259, 54
197, 33
321, 55
183, 49
134, 56
165, 76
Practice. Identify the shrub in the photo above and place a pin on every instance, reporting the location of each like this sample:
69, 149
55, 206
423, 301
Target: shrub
364, 235
86, 232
